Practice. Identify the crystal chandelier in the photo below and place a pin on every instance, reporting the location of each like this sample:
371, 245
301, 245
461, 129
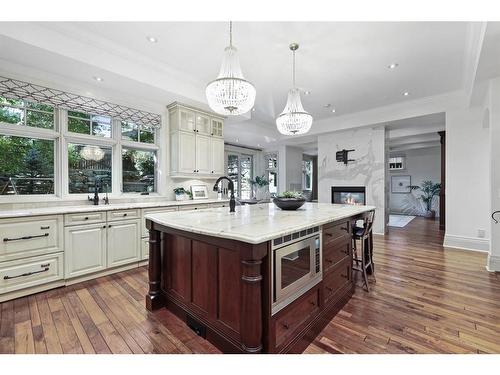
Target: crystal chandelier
230, 94
294, 119
93, 153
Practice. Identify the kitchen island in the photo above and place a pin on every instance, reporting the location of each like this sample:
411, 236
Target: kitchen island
259, 280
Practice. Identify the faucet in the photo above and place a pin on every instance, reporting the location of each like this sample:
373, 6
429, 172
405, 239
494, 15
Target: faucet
232, 202
95, 199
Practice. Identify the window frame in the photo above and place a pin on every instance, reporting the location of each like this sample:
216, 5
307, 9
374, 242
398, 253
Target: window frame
276, 169
61, 137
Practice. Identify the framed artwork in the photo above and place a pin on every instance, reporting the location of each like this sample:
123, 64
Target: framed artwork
199, 191
400, 184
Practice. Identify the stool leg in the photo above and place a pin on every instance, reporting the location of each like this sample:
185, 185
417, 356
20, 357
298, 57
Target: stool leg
363, 264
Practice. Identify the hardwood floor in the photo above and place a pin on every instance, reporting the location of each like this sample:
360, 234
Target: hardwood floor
425, 300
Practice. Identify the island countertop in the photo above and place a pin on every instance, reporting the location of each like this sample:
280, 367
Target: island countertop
255, 224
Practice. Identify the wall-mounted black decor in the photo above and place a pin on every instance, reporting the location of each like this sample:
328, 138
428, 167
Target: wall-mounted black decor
343, 156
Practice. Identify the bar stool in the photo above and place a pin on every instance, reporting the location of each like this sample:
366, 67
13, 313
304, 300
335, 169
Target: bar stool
363, 234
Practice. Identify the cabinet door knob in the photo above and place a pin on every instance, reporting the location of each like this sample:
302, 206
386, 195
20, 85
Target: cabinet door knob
286, 325
86, 218
124, 214
109, 226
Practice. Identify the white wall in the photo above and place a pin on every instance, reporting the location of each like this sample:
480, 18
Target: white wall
367, 170
421, 164
290, 168
493, 121
467, 179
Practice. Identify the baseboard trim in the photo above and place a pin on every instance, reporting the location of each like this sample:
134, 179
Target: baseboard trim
493, 263
466, 243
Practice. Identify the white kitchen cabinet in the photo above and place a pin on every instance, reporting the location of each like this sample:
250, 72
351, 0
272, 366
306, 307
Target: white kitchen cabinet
203, 125
203, 154
85, 249
196, 142
123, 243
217, 128
217, 156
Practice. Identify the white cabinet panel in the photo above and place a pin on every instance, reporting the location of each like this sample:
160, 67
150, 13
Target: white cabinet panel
217, 156
203, 124
25, 273
123, 242
203, 155
146, 211
124, 214
85, 218
85, 249
25, 237
145, 248
186, 156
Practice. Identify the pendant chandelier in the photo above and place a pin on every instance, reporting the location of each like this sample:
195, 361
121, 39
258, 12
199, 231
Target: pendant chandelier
92, 153
230, 94
294, 119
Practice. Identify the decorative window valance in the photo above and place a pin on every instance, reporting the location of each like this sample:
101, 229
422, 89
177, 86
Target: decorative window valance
14, 89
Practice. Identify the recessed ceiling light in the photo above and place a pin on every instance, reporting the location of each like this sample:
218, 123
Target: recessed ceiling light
307, 92
393, 66
333, 110
327, 105
237, 140
152, 39
253, 109
258, 145
406, 93
98, 79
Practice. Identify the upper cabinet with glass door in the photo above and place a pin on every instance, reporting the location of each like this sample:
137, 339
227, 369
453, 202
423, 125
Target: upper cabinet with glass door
188, 119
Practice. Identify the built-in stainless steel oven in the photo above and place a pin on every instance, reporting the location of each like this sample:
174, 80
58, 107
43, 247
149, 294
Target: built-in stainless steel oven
296, 266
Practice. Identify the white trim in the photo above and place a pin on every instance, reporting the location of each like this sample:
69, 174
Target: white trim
493, 263
466, 243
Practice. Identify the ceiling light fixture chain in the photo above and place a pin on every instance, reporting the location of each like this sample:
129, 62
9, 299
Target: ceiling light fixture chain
294, 119
230, 94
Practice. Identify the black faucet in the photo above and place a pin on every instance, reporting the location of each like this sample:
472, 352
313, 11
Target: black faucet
95, 199
232, 202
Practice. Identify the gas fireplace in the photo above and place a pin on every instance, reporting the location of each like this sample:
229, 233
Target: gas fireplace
355, 195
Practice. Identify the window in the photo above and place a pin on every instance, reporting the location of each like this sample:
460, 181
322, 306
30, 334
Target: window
26, 166
138, 171
20, 112
84, 123
136, 133
240, 171
307, 174
89, 167
396, 163
271, 163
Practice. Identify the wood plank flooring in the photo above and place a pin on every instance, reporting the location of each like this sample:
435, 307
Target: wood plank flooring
425, 300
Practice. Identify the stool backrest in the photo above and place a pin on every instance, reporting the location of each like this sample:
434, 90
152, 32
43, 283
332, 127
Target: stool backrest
369, 218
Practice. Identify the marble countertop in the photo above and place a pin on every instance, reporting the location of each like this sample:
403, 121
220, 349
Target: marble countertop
255, 223
58, 210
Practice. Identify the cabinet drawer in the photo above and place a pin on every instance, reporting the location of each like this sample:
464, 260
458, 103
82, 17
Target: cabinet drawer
25, 273
335, 252
25, 237
84, 218
193, 207
123, 215
337, 279
336, 232
296, 315
144, 230
221, 204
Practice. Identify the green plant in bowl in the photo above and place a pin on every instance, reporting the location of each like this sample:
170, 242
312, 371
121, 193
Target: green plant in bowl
289, 200
291, 194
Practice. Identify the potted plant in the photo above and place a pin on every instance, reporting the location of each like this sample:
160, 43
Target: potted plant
182, 194
289, 200
429, 190
258, 184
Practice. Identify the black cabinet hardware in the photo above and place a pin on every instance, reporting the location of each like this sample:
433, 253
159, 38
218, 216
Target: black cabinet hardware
25, 274
43, 228
25, 237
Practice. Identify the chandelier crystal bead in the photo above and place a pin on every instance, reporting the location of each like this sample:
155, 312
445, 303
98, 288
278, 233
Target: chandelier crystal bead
294, 119
230, 94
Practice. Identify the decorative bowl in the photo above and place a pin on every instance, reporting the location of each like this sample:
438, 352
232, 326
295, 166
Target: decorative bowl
289, 204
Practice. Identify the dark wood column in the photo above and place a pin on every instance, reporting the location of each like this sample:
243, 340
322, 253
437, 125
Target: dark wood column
251, 299
442, 194
154, 298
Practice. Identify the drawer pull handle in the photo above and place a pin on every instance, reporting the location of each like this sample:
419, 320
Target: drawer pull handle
312, 303
329, 289
344, 276
285, 325
26, 274
328, 234
86, 218
25, 237
43, 228
124, 214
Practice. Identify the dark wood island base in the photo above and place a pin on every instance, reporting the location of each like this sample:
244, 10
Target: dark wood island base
221, 288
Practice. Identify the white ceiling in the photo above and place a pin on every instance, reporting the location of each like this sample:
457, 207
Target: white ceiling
341, 63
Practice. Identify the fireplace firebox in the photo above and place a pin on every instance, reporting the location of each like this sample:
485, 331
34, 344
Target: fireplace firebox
355, 195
